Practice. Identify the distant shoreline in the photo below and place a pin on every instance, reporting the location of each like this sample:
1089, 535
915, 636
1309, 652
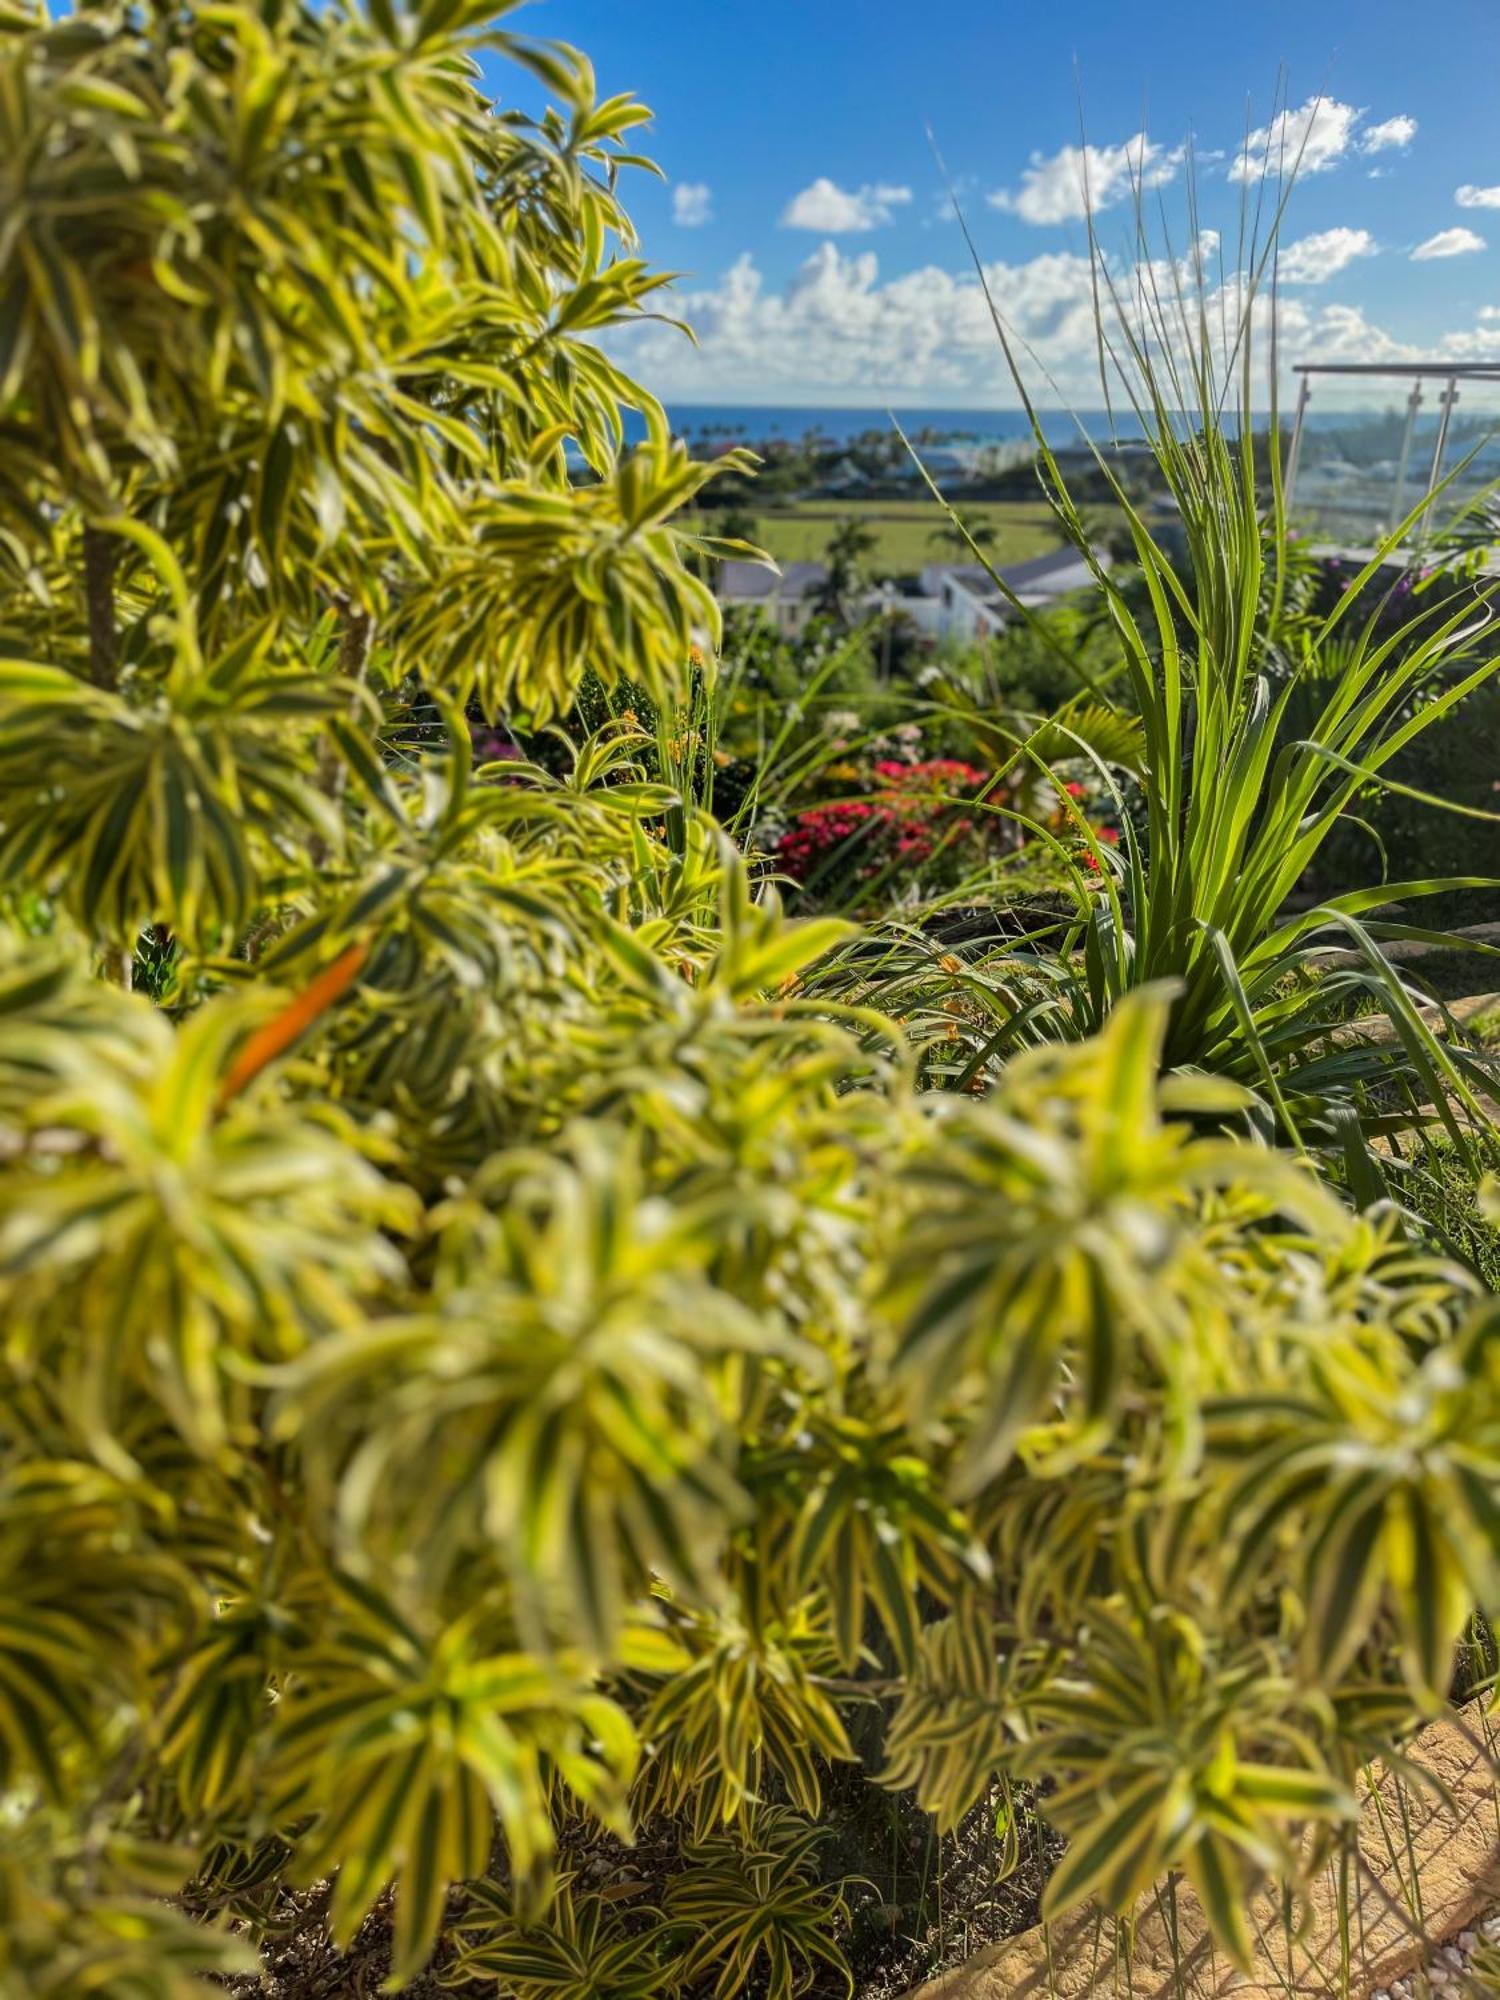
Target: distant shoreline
761, 423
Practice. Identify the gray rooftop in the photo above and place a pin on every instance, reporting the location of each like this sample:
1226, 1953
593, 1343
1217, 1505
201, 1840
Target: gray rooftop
747, 580
1041, 576
1056, 571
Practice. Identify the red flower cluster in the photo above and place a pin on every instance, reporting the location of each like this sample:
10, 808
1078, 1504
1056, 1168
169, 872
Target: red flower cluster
903, 822
1107, 836
937, 774
817, 832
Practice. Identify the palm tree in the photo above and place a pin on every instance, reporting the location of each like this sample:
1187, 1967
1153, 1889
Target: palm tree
1108, 533
734, 524
848, 546
951, 536
723, 524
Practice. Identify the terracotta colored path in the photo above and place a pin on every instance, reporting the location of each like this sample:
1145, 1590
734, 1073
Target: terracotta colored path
1454, 1828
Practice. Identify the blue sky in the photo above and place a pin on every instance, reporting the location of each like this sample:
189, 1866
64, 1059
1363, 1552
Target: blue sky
804, 208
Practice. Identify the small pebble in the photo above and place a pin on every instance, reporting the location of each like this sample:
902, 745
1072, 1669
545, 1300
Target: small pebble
1447, 1971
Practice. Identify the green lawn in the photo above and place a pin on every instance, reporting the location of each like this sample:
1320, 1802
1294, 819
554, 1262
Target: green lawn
800, 534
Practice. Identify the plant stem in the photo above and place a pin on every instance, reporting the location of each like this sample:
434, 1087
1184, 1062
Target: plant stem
354, 661
354, 664
99, 557
354, 647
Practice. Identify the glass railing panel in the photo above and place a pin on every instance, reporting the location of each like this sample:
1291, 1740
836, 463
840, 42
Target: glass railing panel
1369, 445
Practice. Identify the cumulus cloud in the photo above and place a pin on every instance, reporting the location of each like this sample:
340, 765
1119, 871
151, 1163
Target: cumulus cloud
1469, 196
1313, 260
1318, 134
692, 204
1342, 333
1458, 242
843, 332
1471, 343
1064, 186
836, 211
839, 329
1391, 134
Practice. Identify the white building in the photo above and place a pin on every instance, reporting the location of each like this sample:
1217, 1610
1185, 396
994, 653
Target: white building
955, 600
970, 606
788, 596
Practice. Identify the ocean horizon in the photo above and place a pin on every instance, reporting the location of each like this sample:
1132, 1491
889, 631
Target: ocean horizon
751, 423
836, 424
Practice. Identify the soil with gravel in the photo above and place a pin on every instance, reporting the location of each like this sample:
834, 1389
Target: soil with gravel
918, 1902
1467, 1965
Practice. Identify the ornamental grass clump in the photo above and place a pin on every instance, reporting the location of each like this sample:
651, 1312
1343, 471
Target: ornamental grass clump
1261, 726
497, 1366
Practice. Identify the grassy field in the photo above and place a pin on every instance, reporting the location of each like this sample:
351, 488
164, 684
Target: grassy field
800, 534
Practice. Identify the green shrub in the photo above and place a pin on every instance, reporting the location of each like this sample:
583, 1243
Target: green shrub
1405, 836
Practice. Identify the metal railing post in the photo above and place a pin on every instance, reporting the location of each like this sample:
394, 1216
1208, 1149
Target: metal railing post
1448, 399
1294, 450
1413, 404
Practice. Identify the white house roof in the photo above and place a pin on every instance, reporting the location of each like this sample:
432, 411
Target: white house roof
1034, 581
1056, 571
747, 582
1049, 575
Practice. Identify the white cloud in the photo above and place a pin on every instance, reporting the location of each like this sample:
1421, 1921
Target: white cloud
1448, 243
1469, 196
1313, 260
1390, 134
841, 332
1064, 186
1342, 333
1476, 343
835, 211
1310, 139
692, 204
